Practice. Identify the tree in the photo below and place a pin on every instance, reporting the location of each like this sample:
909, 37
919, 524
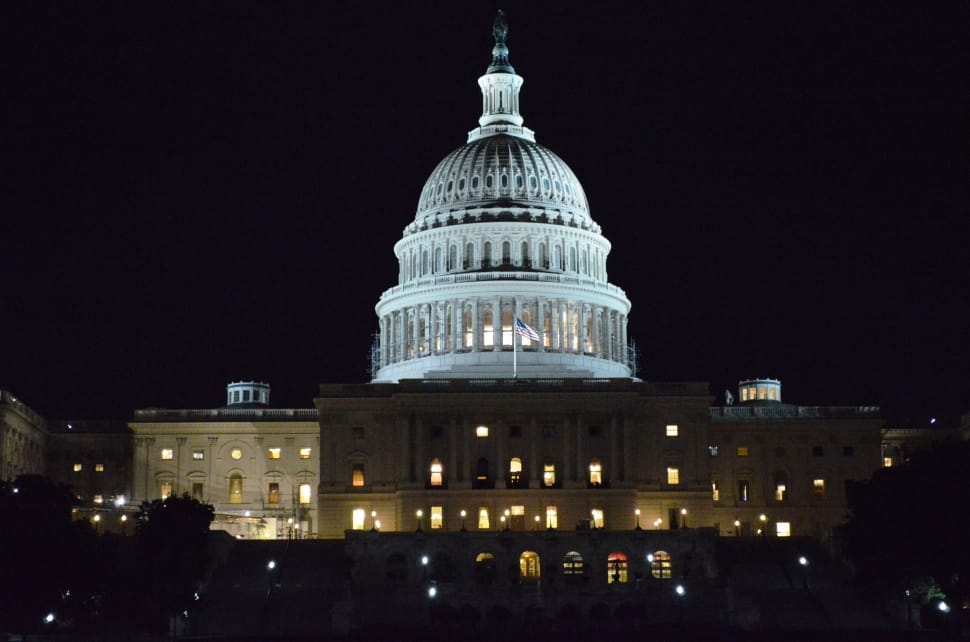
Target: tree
171, 555
908, 526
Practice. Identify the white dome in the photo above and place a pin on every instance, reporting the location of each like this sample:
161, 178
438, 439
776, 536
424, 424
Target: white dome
501, 171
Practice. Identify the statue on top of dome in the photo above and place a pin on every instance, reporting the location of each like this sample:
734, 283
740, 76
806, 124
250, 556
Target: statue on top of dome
500, 28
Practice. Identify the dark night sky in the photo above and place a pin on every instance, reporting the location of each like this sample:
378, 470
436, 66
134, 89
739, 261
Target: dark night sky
210, 191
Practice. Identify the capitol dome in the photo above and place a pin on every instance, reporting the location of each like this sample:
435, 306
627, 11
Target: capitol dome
502, 240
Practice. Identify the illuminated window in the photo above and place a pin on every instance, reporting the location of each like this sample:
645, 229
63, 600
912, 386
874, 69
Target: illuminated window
436, 472
357, 522
552, 517
742, 451
483, 522
99, 468
672, 430
887, 462
273, 497
481, 431
712, 450
743, 490
529, 568
515, 472
274, 453
235, 488
99, 499
597, 517
617, 568
198, 455
304, 493
660, 566
549, 475
165, 489
744, 394
357, 476
78, 468
673, 475
715, 491
437, 520
818, 485
783, 529
572, 565
305, 453
236, 454
167, 454
762, 392
488, 328
595, 472
771, 394
197, 494
507, 314
780, 492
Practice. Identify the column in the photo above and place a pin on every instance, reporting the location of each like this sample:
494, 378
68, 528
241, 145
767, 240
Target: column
541, 323
497, 324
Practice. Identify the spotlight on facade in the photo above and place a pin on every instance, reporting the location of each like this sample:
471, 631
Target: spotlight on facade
680, 590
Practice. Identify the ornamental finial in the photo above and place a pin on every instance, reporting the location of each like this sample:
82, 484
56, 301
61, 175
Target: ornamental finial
500, 52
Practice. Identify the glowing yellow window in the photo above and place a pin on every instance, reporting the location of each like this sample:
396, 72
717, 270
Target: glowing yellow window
166, 489
78, 468
437, 519
742, 451
595, 472
780, 492
357, 476
715, 491
552, 517
617, 568
673, 475
99, 499
436, 472
887, 462
235, 488
483, 522
481, 431
818, 485
357, 523
597, 516
274, 453
167, 454
198, 455
515, 471
673, 430
783, 529
273, 497
660, 566
304, 493
549, 475
305, 453
99, 468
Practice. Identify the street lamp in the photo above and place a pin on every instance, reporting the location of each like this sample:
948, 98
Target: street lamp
537, 522
683, 518
419, 513
503, 523
657, 522
637, 513
463, 514
764, 524
737, 527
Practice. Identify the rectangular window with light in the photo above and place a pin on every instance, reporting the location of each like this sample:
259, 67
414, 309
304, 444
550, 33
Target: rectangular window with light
483, 522
357, 522
673, 430
304, 453
715, 491
99, 468
167, 454
437, 518
198, 455
742, 451
357, 476
552, 517
78, 468
597, 517
273, 497
818, 486
304, 493
274, 453
673, 475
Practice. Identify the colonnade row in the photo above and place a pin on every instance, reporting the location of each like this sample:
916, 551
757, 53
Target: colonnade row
423, 259
485, 324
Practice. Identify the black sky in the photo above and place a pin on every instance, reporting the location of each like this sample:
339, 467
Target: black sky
210, 191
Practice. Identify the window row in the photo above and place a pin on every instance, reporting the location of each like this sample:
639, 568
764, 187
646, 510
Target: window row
574, 568
302, 492
512, 518
515, 476
817, 451
198, 454
78, 467
780, 489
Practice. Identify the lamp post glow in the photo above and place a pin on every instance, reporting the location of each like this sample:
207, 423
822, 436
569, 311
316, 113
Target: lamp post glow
683, 518
418, 514
737, 528
463, 514
657, 522
637, 513
537, 522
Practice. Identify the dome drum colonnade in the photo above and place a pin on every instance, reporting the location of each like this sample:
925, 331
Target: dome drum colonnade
502, 231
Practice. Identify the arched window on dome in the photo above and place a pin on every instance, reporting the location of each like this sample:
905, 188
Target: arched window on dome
518, 181
489, 181
424, 262
533, 183
558, 186
488, 329
452, 257
557, 257
504, 181
543, 256
572, 259
487, 255
582, 262
469, 256
506, 253
461, 184
524, 251
450, 186
438, 261
545, 184
468, 329
474, 182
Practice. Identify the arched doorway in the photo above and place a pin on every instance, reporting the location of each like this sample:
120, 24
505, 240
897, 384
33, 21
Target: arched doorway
529, 567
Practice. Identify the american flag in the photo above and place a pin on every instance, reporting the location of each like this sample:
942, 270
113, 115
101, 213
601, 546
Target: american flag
522, 328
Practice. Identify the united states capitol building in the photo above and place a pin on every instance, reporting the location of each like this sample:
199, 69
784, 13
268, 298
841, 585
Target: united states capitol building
471, 429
